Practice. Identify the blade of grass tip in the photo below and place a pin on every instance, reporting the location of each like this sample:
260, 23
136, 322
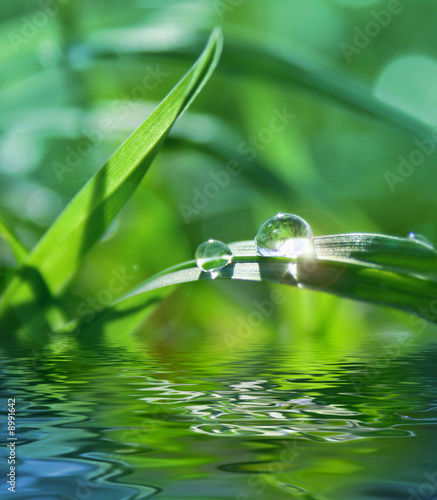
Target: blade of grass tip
57, 256
405, 255
18, 249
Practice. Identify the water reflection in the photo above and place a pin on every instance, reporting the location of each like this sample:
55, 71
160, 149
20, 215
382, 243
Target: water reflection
100, 421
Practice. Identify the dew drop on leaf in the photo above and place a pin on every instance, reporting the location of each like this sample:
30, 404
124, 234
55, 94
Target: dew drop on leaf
285, 235
420, 237
213, 255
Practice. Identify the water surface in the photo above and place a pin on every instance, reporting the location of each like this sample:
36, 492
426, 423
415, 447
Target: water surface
174, 420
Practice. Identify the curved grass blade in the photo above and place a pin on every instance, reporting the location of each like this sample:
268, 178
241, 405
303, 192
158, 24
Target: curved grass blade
373, 268
243, 53
18, 249
247, 55
391, 253
84, 221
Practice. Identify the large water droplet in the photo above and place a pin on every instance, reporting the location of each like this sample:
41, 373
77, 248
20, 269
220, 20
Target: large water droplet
285, 235
213, 255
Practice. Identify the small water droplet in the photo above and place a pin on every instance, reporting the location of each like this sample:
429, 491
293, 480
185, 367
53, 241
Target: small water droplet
420, 237
213, 255
285, 235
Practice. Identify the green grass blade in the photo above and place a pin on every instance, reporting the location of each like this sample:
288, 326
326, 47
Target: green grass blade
371, 268
245, 54
57, 256
390, 253
18, 249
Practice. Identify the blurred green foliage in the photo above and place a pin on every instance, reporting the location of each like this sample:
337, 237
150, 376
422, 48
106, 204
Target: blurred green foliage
360, 97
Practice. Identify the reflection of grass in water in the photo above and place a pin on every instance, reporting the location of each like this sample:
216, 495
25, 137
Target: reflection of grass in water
157, 415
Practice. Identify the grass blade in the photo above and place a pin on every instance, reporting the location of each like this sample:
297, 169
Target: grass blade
18, 249
283, 66
372, 268
245, 54
59, 253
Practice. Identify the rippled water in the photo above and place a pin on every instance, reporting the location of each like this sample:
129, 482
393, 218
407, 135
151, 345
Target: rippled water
278, 420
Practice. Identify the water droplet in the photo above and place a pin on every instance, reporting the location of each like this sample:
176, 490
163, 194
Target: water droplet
285, 235
420, 237
213, 255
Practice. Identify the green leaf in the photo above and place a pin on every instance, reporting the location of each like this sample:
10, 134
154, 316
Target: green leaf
248, 55
18, 249
57, 256
244, 53
384, 270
